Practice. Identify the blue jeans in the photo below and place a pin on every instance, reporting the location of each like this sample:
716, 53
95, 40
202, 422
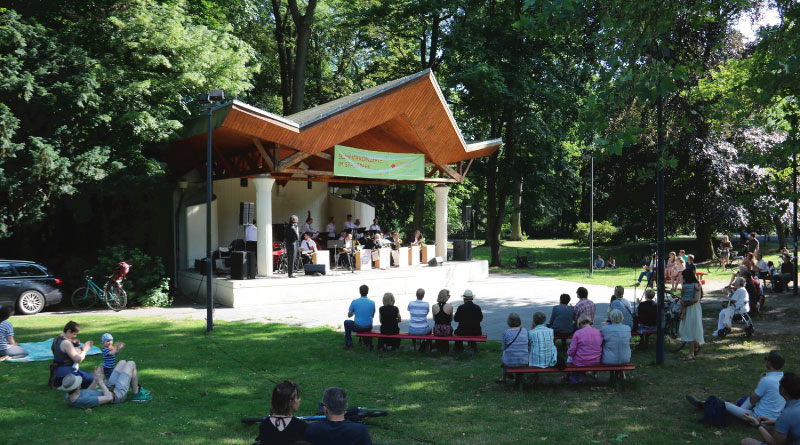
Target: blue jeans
349, 327
648, 274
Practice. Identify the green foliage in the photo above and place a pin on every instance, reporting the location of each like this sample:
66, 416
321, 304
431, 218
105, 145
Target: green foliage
604, 233
146, 283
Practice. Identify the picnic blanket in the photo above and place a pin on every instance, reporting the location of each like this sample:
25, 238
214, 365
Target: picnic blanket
40, 352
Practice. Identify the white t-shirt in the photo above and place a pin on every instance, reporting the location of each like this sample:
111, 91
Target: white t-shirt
771, 402
331, 229
741, 300
251, 233
762, 266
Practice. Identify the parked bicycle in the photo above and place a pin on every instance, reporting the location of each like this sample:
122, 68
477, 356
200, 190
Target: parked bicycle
111, 293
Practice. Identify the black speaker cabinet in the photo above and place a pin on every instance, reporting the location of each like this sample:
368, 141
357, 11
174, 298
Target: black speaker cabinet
311, 269
246, 213
462, 250
243, 265
437, 261
466, 217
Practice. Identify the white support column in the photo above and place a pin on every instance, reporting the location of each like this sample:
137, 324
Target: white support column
264, 185
441, 220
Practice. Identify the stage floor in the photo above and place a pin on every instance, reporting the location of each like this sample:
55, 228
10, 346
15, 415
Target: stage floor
337, 284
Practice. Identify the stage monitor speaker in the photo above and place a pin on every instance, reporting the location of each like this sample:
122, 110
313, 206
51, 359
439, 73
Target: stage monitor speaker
314, 269
246, 211
466, 217
437, 261
200, 266
243, 265
462, 250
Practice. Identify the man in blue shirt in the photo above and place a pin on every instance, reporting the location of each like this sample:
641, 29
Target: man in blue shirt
335, 430
787, 425
362, 310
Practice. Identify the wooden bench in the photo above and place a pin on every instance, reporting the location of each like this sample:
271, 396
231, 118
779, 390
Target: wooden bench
614, 370
415, 337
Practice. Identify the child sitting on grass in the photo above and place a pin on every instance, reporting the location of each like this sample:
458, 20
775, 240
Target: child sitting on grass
109, 353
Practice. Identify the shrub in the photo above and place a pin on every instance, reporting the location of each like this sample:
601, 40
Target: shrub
146, 282
604, 233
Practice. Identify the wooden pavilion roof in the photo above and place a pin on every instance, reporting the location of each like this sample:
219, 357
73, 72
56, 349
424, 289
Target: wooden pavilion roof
407, 115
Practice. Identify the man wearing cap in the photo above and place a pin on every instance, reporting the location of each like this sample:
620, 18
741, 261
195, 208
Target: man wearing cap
123, 378
765, 400
469, 317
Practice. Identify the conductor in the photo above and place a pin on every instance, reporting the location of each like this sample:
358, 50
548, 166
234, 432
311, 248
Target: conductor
291, 237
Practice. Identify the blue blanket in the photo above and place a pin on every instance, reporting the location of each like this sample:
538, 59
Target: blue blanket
40, 352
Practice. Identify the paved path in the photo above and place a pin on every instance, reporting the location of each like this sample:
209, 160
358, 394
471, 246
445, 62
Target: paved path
497, 296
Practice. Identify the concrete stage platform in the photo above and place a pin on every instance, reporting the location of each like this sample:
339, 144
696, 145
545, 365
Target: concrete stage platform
338, 284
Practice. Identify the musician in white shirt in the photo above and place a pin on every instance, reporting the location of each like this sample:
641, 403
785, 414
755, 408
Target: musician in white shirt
307, 248
308, 228
349, 223
251, 232
375, 225
331, 228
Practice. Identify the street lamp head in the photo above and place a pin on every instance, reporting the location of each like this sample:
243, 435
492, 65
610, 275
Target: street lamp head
213, 96
203, 98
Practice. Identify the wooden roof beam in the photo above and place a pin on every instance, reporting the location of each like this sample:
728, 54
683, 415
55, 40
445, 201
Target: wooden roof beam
446, 169
291, 160
228, 166
466, 170
264, 154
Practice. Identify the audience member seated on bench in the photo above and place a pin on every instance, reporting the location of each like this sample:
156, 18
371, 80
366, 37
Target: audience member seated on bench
787, 272
515, 345
621, 304
543, 352
647, 312
787, 425
418, 323
282, 426
765, 401
442, 317
586, 348
585, 306
469, 317
616, 340
562, 319
363, 311
390, 317
335, 429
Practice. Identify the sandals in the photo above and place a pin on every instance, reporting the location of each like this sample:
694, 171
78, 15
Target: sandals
688, 358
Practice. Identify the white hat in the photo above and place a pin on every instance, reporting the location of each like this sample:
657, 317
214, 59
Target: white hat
70, 382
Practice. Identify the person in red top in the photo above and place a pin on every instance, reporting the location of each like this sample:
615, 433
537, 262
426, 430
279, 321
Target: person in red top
120, 272
585, 306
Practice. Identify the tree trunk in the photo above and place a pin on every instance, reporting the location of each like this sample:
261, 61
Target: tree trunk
705, 245
516, 220
780, 230
419, 205
302, 25
284, 56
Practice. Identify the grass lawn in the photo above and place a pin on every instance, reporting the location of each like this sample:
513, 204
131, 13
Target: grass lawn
560, 258
203, 384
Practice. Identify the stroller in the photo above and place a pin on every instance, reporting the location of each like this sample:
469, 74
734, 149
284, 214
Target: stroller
735, 314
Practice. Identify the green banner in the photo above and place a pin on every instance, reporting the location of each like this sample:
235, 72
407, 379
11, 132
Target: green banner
358, 163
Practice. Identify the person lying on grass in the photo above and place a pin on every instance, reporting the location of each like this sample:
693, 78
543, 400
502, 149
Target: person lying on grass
766, 400
787, 425
123, 377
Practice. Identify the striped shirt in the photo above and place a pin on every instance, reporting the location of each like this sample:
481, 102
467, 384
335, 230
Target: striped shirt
419, 315
543, 349
6, 330
584, 306
109, 359
515, 347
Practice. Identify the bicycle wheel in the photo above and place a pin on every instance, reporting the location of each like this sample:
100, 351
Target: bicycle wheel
84, 298
117, 298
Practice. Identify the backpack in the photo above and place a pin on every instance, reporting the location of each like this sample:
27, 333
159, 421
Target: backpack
714, 412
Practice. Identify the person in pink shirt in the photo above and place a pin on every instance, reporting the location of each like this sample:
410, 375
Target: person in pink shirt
586, 348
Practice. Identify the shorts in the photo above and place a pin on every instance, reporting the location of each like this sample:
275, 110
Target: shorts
121, 383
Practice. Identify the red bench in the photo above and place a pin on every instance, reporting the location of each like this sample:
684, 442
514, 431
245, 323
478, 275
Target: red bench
407, 336
615, 370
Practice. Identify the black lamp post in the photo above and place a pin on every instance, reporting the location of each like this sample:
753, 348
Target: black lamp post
661, 54
209, 99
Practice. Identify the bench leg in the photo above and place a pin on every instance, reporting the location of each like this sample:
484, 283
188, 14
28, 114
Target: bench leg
519, 381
